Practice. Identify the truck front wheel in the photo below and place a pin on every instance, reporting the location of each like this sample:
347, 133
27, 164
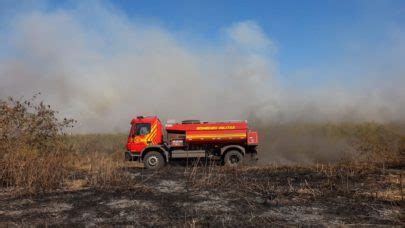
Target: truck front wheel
153, 160
233, 158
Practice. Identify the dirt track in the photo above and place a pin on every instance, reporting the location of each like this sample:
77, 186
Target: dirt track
212, 196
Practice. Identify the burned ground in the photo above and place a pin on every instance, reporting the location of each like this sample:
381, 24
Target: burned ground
216, 196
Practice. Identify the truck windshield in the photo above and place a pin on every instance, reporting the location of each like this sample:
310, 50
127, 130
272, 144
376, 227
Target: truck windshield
142, 129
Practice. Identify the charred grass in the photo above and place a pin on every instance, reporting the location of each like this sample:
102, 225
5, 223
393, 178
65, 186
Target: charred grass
200, 195
318, 194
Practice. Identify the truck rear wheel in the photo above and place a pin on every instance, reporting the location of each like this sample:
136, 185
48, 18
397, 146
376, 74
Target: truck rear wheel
233, 158
153, 160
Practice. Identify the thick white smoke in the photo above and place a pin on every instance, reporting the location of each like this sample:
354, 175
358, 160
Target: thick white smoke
102, 69
105, 72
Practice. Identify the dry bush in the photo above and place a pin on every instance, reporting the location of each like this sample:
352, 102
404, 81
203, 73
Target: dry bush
26, 124
32, 148
37, 156
375, 143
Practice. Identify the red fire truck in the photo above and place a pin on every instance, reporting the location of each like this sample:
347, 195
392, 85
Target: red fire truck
149, 142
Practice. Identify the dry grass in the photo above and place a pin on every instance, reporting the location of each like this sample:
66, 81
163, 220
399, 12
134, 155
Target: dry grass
101, 143
207, 175
36, 156
103, 171
30, 173
312, 143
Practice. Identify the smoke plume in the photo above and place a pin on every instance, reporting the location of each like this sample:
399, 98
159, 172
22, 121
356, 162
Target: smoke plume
103, 69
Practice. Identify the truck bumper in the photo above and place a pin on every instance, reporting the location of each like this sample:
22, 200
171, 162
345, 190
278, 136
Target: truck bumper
130, 156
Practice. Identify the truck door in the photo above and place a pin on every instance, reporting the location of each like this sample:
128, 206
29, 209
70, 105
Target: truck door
142, 136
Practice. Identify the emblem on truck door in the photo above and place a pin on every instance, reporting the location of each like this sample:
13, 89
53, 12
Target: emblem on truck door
146, 134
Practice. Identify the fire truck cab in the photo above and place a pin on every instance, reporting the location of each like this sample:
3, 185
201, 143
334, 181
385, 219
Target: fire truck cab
154, 145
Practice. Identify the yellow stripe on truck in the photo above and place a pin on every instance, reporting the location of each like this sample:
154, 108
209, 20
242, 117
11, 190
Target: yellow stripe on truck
152, 132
